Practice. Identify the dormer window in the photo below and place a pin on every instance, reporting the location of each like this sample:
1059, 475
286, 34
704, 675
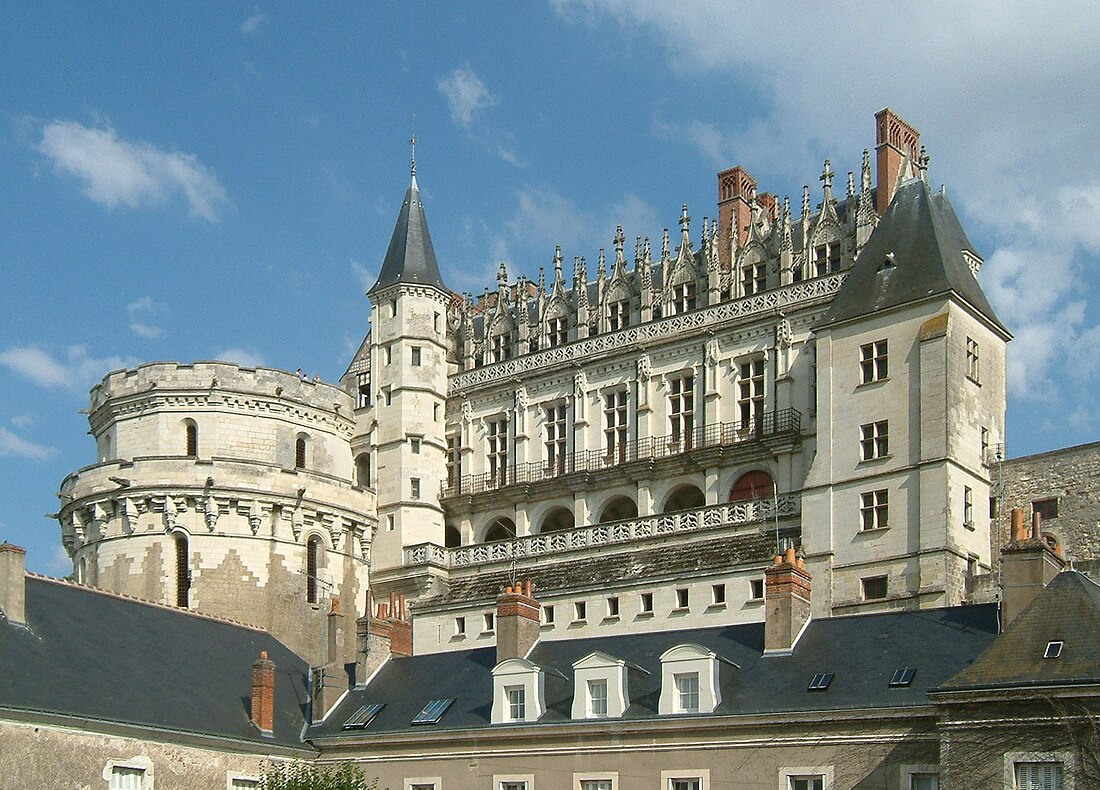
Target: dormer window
557, 331
683, 298
601, 686
597, 698
519, 691
618, 315
690, 677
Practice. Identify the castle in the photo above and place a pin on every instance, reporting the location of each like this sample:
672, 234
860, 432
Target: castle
731, 512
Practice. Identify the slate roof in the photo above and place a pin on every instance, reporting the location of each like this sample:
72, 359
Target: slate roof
924, 235
862, 650
1068, 611
410, 257
619, 567
93, 655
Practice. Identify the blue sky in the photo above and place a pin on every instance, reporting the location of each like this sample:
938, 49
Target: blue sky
219, 180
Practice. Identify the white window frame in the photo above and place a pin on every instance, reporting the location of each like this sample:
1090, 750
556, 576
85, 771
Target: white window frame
602, 776
874, 362
232, 777
700, 774
685, 659
512, 674
135, 763
435, 782
973, 362
789, 772
616, 428
597, 703
1067, 760
874, 440
517, 703
751, 386
687, 692
613, 673
874, 510
907, 772
527, 780
681, 410
556, 422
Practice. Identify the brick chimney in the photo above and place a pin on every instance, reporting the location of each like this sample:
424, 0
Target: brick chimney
786, 603
263, 694
895, 141
13, 583
736, 191
385, 632
329, 681
1028, 564
517, 621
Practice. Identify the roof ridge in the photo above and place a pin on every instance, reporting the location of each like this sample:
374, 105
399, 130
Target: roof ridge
145, 601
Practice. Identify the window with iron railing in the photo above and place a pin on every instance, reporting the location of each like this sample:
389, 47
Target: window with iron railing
750, 393
681, 407
615, 425
498, 450
555, 438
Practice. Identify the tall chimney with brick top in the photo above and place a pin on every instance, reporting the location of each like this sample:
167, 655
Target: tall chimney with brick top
786, 603
1027, 565
13, 583
517, 621
736, 192
385, 632
263, 694
895, 141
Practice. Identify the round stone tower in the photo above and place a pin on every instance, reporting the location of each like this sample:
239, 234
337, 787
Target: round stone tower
228, 491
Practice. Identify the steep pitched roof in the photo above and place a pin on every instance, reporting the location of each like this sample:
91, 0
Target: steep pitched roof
92, 655
863, 652
920, 235
410, 257
1067, 611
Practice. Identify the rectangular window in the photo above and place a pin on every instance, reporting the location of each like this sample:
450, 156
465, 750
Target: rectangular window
557, 332
1046, 508
687, 693
873, 362
647, 603
618, 316
414, 487
390, 523
972, 368
389, 396
874, 509
126, 778
548, 614
362, 382
827, 258
580, 611
874, 440
681, 406
807, 782
750, 394
435, 322
414, 445
718, 594
422, 785
615, 429
416, 356
244, 784
597, 698
454, 461
597, 784
683, 298
754, 278
613, 607
874, 588
389, 355
517, 707
985, 459
555, 439
393, 308
1038, 776
502, 347
498, 450
682, 598
460, 626
513, 786
435, 412
924, 782
756, 589
968, 506
685, 784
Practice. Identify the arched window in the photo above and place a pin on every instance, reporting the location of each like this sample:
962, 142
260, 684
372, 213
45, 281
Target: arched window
752, 485
300, 452
82, 571
313, 551
191, 438
501, 529
620, 508
557, 520
452, 538
362, 470
183, 571
685, 497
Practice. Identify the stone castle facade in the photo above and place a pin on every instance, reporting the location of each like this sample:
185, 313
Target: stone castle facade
639, 440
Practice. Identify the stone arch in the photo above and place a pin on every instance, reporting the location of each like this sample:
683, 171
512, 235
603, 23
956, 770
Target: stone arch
618, 508
181, 544
557, 519
452, 536
363, 469
314, 552
301, 450
190, 437
755, 484
685, 496
500, 528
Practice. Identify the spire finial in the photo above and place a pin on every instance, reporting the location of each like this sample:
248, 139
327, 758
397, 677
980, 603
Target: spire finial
619, 238
412, 145
826, 176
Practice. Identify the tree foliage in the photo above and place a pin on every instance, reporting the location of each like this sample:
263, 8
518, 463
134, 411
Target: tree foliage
308, 776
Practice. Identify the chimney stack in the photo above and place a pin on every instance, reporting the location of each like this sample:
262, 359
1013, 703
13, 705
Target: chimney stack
736, 192
1028, 564
786, 603
517, 621
263, 694
895, 142
328, 681
385, 632
13, 583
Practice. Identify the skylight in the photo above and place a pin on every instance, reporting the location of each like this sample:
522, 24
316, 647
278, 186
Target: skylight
903, 676
364, 716
1054, 650
433, 711
820, 681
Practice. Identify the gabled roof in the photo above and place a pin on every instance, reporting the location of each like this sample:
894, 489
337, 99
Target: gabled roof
1067, 611
410, 257
95, 656
862, 650
915, 252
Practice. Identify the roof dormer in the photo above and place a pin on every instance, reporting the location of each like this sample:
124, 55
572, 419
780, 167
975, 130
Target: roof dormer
690, 680
519, 691
601, 686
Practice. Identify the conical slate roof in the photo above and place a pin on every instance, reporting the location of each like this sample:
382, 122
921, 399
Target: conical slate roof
915, 252
410, 257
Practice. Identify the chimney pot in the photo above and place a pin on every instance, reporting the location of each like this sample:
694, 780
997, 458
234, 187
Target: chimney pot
1036, 525
263, 694
517, 621
13, 583
789, 556
786, 602
1018, 531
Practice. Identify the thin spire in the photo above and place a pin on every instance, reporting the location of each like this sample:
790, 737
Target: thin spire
412, 145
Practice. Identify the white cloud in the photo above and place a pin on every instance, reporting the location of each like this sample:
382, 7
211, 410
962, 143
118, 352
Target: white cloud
246, 359
61, 564
140, 311
116, 172
363, 275
13, 445
466, 94
77, 370
23, 421
254, 22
